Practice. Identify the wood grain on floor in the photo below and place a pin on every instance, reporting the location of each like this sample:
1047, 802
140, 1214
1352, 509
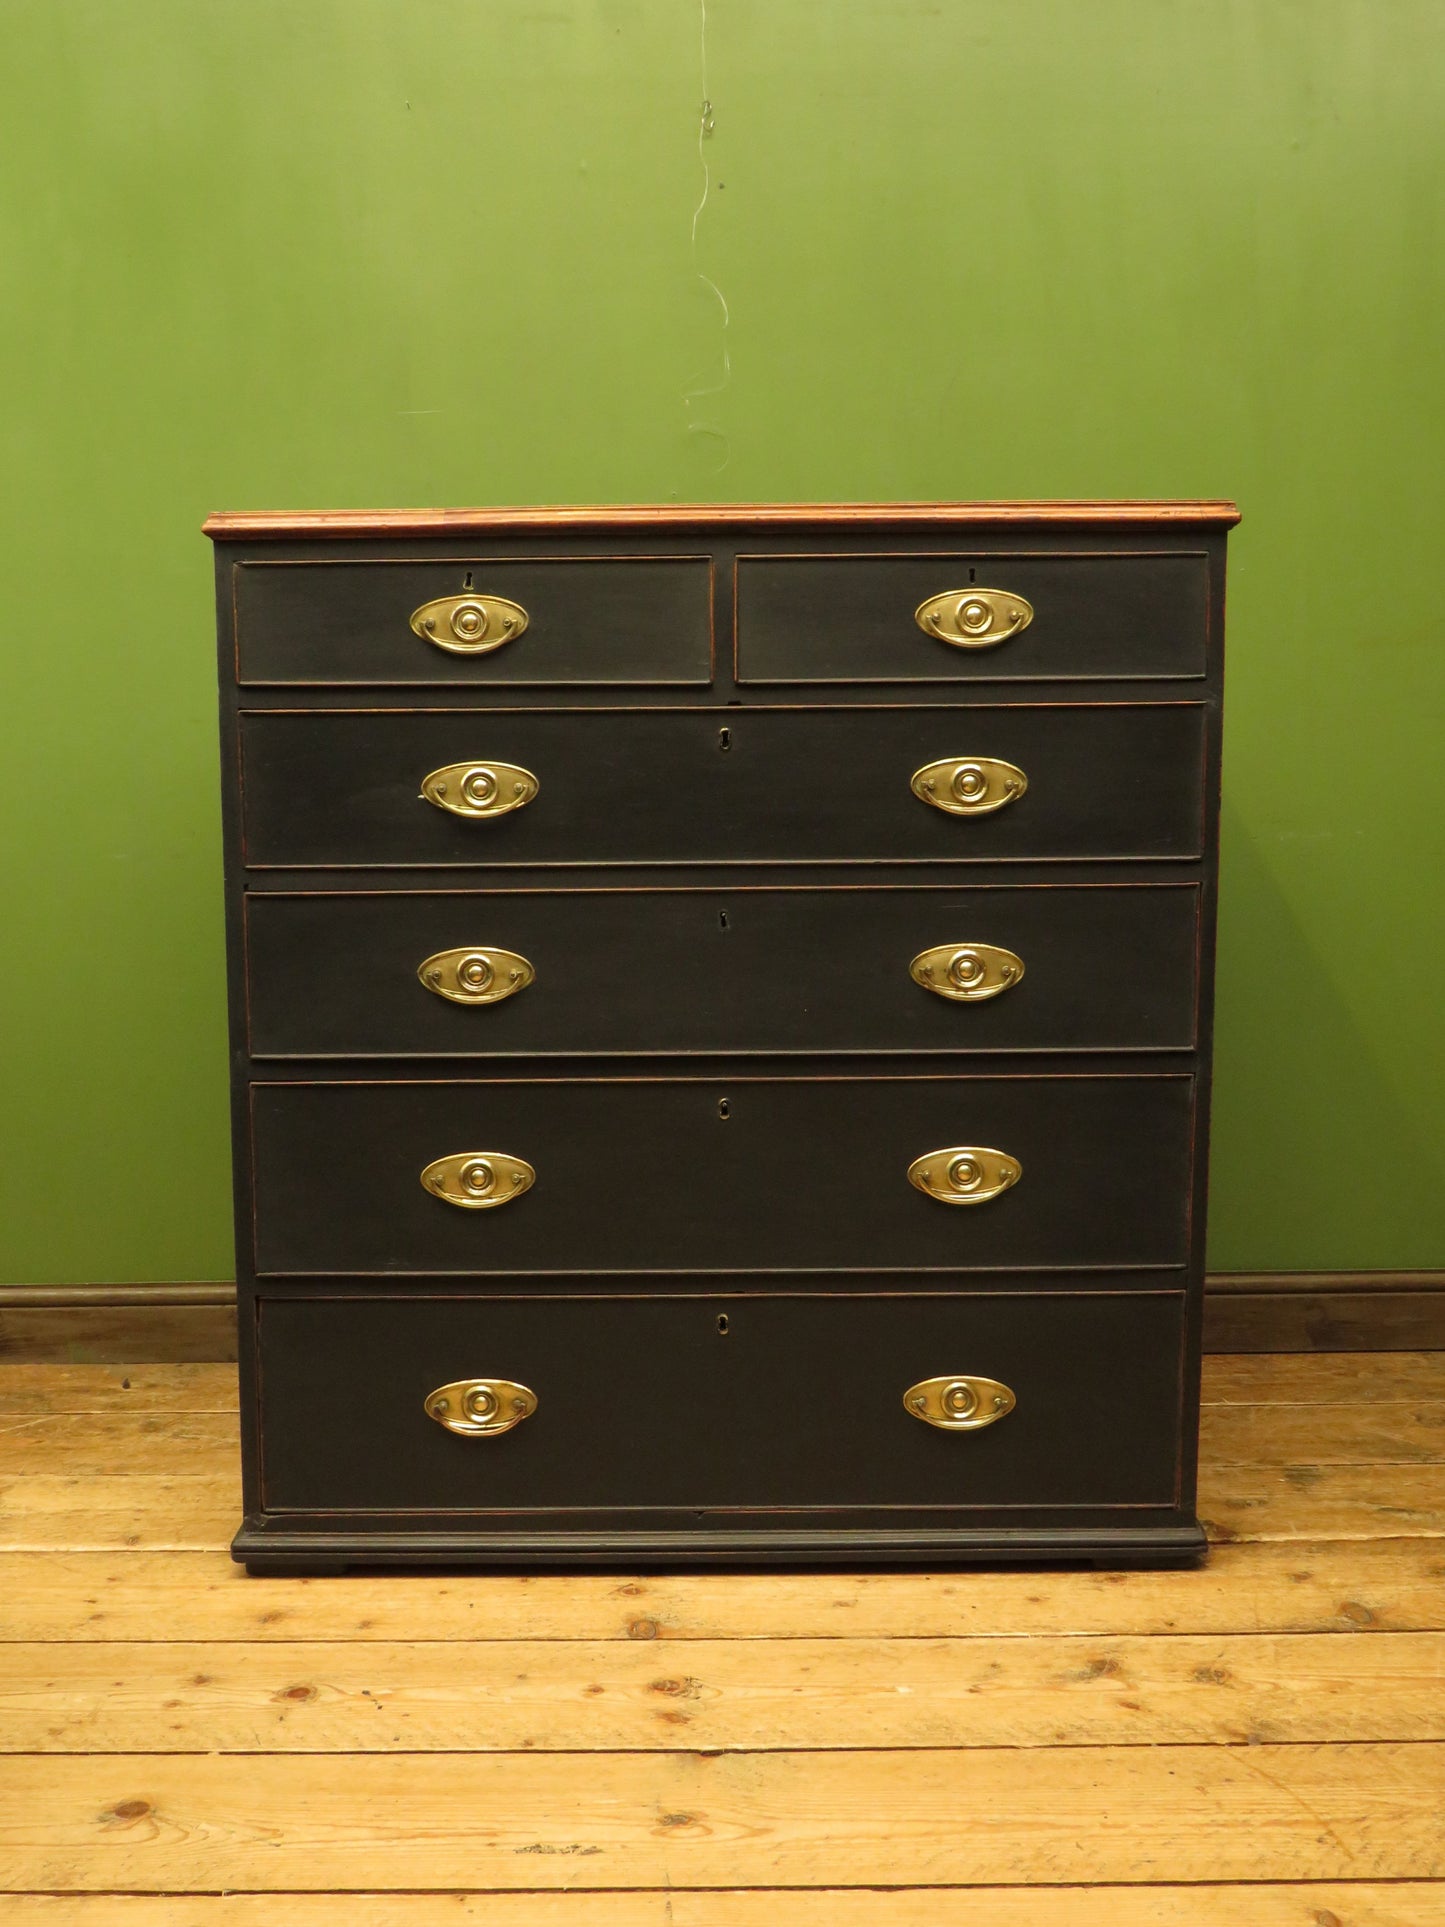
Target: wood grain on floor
1257, 1744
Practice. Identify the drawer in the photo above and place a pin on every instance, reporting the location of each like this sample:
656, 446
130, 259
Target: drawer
721, 1404
343, 788
575, 621
956, 617
713, 1174
726, 971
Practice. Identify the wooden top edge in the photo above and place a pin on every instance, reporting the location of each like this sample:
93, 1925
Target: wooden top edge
409, 522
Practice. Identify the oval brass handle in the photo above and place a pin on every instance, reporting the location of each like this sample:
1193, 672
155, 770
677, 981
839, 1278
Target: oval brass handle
968, 973
478, 1180
964, 1174
959, 1403
469, 625
479, 789
968, 785
481, 1408
974, 618
476, 974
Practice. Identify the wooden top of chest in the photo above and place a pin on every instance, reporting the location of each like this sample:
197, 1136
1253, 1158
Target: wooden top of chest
361, 523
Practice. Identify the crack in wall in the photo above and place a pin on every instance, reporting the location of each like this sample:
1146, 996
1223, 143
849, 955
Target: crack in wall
694, 395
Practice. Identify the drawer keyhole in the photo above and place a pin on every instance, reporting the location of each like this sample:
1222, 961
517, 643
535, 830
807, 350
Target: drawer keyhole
722, 1324
724, 1109
724, 739
722, 919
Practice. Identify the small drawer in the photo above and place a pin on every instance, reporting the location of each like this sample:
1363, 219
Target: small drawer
762, 1174
491, 788
565, 621
487, 973
718, 1406
968, 616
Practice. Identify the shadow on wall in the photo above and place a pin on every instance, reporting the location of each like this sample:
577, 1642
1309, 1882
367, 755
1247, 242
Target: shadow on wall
1299, 1089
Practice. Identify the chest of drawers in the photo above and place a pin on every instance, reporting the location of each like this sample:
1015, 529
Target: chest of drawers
720, 1007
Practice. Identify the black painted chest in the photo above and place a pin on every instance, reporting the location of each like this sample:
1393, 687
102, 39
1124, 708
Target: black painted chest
720, 1016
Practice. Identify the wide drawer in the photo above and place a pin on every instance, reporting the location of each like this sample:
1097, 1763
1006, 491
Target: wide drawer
561, 621
421, 973
715, 1406
344, 788
713, 1174
969, 616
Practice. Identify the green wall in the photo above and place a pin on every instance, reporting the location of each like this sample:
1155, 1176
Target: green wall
331, 253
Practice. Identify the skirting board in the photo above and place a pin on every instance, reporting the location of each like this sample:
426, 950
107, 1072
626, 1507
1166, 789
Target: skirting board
1322, 1311
1245, 1311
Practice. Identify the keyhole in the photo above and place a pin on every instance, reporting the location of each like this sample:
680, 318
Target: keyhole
724, 1109
468, 583
972, 575
722, 919
722, 1324
724, 739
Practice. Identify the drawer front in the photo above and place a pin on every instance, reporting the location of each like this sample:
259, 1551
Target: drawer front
710, 1174
582, 621
877, 618
344, 788
657, 971
721, 1404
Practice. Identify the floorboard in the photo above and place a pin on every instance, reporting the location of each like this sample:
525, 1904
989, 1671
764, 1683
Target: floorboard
609, 1695
93, 1444
1386, 1585
1245, 1378
854, 1818
198, 1511
1312, 1904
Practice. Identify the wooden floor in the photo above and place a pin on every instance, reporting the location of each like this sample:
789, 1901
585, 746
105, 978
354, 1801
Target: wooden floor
1257, 1744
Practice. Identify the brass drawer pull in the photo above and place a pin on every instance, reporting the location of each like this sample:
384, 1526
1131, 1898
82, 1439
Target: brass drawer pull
968, 973
478, 1180
964, 1174
974, 618
481, 1408
479, 789
476, 975
469, 625
959, 1403
968, 785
